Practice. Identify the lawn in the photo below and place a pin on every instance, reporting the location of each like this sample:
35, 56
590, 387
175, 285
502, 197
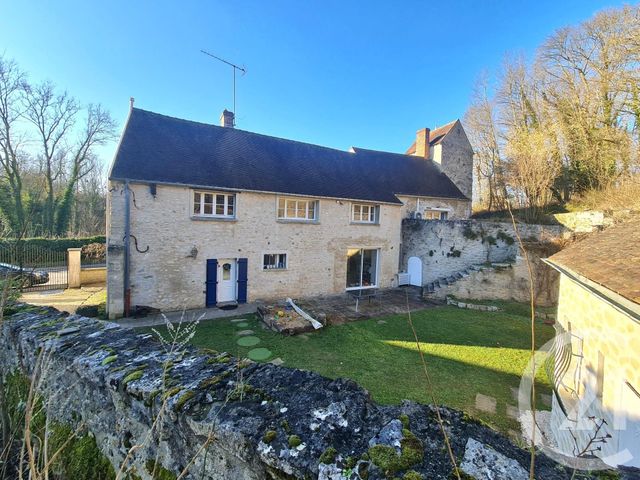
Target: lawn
467, 352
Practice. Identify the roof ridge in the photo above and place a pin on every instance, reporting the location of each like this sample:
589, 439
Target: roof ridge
246, 131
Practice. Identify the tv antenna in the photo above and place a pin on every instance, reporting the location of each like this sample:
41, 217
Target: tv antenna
234, 67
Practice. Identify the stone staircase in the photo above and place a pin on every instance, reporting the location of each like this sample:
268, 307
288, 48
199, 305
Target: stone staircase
432, 287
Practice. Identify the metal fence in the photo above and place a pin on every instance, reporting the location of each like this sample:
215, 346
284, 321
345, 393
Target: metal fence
34, 267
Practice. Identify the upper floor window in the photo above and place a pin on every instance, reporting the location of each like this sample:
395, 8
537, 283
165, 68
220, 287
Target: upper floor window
364, 213
435, 215
209, 204
297, 209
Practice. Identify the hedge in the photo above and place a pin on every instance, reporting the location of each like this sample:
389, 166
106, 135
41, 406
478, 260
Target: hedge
53, 244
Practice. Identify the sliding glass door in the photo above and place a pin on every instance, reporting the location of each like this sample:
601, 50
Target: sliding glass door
362, 268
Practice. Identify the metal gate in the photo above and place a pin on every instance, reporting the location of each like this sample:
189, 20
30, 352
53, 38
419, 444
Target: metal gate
34, 267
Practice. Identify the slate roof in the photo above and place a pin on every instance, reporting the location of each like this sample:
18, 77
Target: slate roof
159, 149
435, 136
610, 258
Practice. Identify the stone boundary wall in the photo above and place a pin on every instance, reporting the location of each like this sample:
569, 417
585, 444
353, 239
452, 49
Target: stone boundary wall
266, 421
447, 247
509, 283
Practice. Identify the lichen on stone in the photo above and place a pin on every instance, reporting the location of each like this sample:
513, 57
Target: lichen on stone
109, 359
269, 436
184, 398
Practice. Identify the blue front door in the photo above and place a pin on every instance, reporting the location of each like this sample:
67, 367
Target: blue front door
211, 282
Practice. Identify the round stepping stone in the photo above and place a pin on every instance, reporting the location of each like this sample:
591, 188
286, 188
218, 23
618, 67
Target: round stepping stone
381, 322
259, 354
244, 333
248, 341
242, 324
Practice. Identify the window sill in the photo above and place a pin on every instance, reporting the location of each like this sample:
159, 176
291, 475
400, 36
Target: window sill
291, 220
274, 269
366, 224
214, 219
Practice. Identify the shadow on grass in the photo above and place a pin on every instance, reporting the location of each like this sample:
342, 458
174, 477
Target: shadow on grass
467, 352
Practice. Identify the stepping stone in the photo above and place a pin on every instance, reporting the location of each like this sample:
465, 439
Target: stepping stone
277, 361
244, 333
248, 341
304, 336
236, 320
486, 403
381, 322
242, 324
259, 354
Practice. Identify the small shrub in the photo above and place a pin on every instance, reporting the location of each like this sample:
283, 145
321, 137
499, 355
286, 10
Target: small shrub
508, 239
490, 239
350, 462
469, 234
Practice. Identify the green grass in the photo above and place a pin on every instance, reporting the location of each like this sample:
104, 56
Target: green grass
467, 352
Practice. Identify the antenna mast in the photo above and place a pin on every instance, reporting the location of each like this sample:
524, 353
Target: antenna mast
233, 68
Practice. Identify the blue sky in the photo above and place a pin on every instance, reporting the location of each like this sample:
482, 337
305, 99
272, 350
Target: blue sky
335, 73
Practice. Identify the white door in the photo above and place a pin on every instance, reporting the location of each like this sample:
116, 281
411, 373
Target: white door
226, 280
414, 269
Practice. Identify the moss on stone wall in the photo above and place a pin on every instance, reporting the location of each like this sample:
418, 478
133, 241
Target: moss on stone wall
79, 457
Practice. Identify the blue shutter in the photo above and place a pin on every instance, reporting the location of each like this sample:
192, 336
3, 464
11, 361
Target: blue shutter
242, 280
212, 282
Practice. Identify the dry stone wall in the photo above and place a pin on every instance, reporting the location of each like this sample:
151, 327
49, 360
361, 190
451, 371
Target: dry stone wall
451, 246
263, 421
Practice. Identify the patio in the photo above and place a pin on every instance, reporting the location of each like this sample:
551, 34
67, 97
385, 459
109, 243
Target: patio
339, 309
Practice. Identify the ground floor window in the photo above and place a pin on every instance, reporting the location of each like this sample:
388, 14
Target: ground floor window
362, 268
274, 261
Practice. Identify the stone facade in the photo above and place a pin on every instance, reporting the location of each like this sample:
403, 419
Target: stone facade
605, 370
171, 275
454, 154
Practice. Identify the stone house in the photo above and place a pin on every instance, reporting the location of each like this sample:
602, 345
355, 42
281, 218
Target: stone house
597, 360
201, 215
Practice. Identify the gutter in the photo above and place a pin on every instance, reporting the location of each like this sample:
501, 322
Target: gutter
127, 252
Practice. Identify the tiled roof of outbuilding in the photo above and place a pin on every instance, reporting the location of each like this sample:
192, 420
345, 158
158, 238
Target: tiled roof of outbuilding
159, 149
610, 258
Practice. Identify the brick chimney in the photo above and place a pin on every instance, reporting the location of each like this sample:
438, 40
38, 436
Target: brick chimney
422, 143
227, 119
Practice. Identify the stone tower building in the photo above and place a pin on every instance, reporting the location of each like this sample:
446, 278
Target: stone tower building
449, 147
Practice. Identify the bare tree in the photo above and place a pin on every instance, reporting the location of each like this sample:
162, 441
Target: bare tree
481, 123
53, 116
12, 157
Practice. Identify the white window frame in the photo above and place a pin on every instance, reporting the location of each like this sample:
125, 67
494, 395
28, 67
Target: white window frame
438, 210
378, 255
279, 256
298, 202
372, 216
213, 214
